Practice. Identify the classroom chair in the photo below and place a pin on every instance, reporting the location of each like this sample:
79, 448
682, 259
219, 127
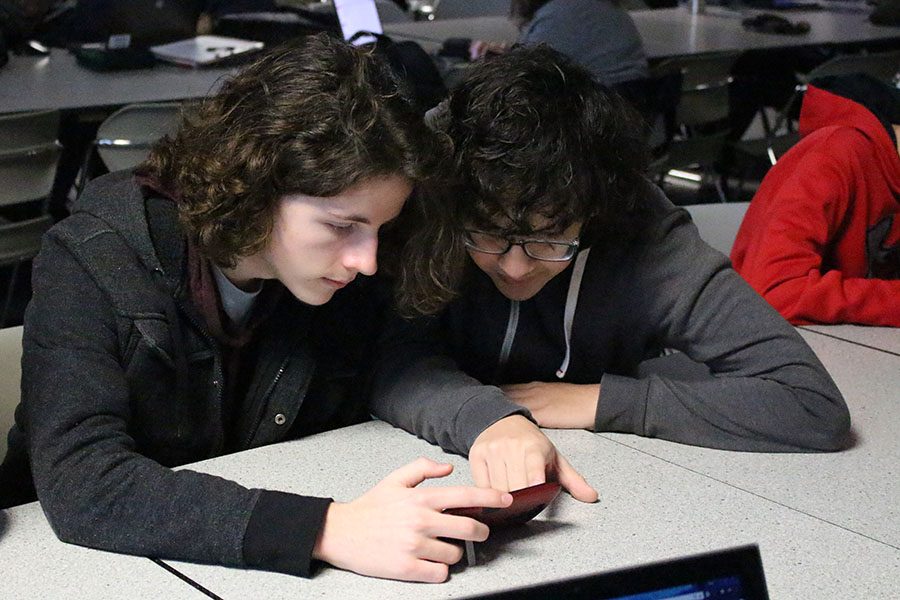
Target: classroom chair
20, 242
27, 129
10, 377
125, 137
701, 117
29, 153
780, 134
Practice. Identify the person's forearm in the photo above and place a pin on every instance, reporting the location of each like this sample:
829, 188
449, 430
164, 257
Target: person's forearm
433, 399
730, 412
832, 298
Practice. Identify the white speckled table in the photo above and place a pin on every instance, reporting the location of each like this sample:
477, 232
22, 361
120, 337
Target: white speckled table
859, 488
35, 564
886, 339
826, 524
649, 509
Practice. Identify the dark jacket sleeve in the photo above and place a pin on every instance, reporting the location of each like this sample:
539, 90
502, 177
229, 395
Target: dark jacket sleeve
96, 489
419, 388
768, 391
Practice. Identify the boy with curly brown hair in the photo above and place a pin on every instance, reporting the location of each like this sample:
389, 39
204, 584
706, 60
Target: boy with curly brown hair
560, 270
218, 299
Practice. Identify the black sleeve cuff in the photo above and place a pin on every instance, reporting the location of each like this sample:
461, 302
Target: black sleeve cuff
282, 532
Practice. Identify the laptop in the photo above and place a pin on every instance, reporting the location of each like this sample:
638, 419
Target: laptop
731, 574
355, 16
206, 50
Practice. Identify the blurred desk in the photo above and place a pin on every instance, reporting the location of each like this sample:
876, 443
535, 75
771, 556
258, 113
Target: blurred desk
674, 31
58, 82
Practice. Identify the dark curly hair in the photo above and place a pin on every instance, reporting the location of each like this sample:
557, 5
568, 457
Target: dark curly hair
314, 116
532, 134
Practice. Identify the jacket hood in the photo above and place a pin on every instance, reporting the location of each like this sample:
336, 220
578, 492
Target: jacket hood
862, 103
120, 201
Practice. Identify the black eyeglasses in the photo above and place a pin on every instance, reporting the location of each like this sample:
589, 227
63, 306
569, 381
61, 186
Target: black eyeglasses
549, 250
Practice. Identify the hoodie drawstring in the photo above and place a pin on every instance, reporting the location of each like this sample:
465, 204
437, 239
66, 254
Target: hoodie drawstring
571, 305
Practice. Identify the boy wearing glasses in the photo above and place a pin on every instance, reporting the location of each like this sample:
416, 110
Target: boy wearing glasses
560, 270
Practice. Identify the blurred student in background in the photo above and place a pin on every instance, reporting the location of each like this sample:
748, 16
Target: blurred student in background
821, 239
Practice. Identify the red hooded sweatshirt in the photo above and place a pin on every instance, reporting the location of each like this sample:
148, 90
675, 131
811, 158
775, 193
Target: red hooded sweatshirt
821, 239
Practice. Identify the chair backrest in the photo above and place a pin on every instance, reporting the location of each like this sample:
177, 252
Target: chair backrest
459, 9
10, 378
21, 240
27, 173
705, 80
883, 66
126, 136
702, 110
28, 129
718, 223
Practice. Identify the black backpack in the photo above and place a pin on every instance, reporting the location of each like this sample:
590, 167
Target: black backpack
414, 67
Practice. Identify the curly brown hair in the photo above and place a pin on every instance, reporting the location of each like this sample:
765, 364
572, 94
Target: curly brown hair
532, 134
314, 116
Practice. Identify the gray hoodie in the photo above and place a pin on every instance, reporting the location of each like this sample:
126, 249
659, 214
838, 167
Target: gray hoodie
597, 322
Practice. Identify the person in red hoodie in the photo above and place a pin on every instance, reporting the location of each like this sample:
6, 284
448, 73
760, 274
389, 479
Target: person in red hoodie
821, 239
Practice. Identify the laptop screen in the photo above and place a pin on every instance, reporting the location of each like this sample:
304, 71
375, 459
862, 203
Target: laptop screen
725, 588
734, 574
358, 15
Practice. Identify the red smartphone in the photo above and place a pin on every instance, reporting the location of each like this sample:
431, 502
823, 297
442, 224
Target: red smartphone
527, 504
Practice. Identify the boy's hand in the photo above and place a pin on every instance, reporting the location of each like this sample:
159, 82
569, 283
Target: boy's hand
392, 530
480, 49
557, 405
513, 454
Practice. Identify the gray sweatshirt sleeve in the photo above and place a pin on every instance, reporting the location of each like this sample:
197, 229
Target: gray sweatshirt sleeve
767, 390
417, 387
95, 488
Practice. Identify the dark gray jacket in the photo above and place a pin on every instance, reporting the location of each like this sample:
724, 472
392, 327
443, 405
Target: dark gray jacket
666, 289
121, 380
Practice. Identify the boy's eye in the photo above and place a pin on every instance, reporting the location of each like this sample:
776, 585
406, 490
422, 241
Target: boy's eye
341, 228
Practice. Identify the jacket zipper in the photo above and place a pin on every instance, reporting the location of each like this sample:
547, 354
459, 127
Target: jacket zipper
264, 402
218, 378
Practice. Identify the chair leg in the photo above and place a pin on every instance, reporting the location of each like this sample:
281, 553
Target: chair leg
84, 173
7, 304
717, 181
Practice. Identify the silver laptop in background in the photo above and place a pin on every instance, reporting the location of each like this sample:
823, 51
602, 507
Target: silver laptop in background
358, 15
